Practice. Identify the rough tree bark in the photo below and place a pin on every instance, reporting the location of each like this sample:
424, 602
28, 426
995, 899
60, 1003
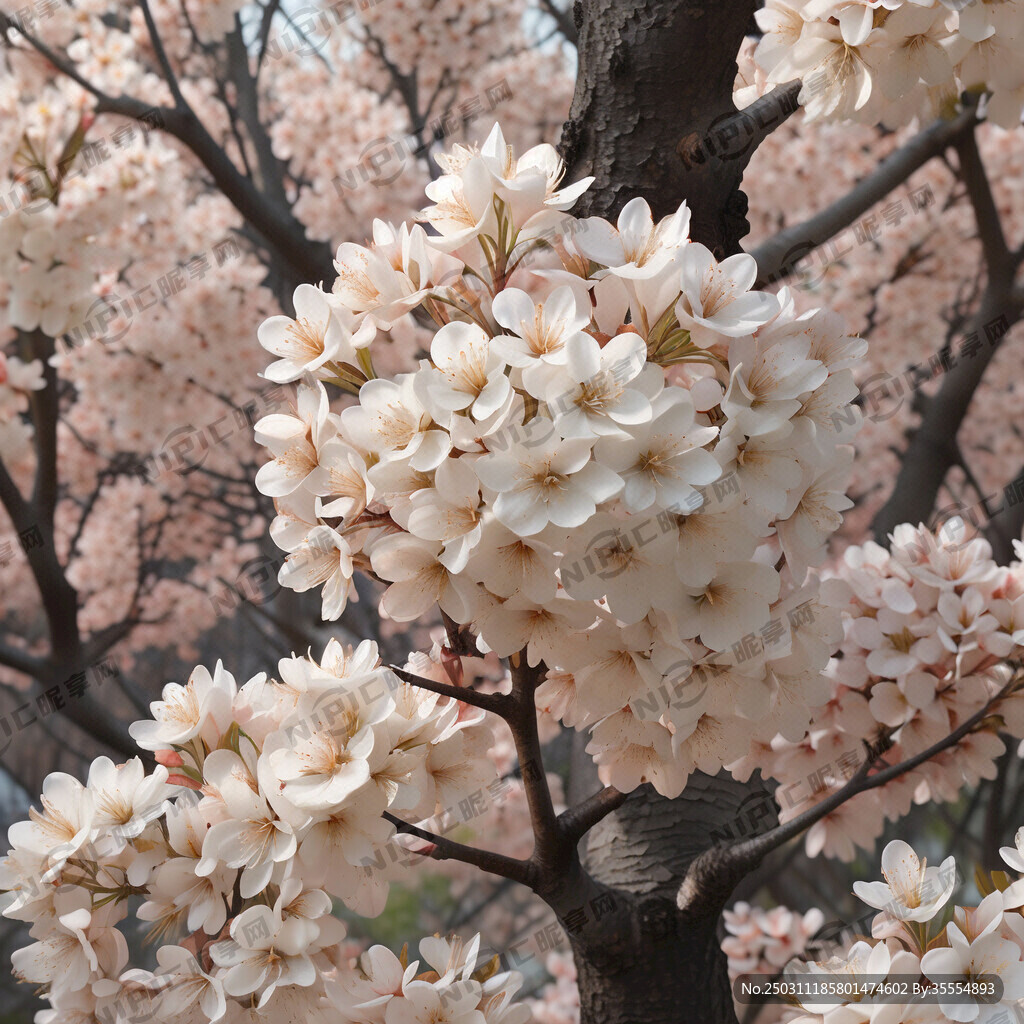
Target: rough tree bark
653, 116
645, 954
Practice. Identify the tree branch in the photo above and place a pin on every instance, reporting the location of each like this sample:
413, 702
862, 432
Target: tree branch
281, 231
998, 259
563, 19
933, 449
102, 641
162, 59
12, 500
271, 178
756, 121
1007, 523
446, 849
495, 702
551, 851
268, 18
59, 598
45, 409
577, 821
21, 661
460, 638
777, 258
722, 866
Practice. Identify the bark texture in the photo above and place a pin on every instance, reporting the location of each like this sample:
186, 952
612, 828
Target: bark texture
653, 115
653, 956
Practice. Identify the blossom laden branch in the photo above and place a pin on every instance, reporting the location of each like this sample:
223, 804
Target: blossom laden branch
274, 222
728, 863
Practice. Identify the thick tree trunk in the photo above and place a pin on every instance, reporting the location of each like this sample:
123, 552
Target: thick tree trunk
652, 107
649, 117
679, 981
642, 952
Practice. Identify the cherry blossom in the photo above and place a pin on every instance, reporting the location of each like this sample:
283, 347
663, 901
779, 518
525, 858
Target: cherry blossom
716, 298
314, 337
295, 775
542, 470
636, 247
980, 944
906, 880
888, 60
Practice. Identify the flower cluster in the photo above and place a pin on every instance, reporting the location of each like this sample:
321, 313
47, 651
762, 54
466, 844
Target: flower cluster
17, 380
763, 941
386, 989
617, 458
214, 19
269, 801
559, 1001
934, 631
99, 239
912, 939
894, 60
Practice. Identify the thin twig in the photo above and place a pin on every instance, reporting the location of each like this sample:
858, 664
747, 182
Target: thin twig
446, 849
494, 702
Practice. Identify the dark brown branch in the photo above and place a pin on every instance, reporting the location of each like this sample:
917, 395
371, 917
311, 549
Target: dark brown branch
723, 866
563, 19
103, 640
495, 702
58, 597
12, 500
44, 406
992, 830
87, 713
460, 638
291, 632
446, 849
271, 177
756, 121
933, 450
268, 19
281, 232
990, 231
162, 59
406, 84
1007, 523
577, 821
551, 850
777, 258
21, 661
